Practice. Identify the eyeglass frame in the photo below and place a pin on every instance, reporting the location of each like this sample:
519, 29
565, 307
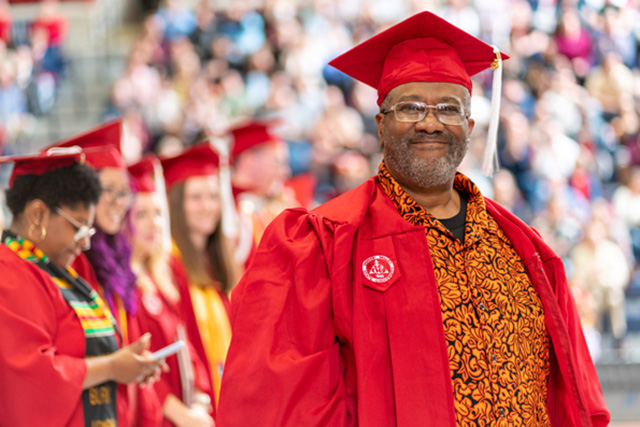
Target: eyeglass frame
126, 196
83, 231
465, 115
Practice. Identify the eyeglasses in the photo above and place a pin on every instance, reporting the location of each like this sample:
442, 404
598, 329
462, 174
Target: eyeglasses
112, 196
416, 111
82, 231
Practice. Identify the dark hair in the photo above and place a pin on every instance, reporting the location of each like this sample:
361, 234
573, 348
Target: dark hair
65, 186
218, 250
110, 257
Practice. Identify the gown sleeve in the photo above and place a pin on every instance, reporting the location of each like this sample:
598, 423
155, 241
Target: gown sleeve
42, 367
283, 365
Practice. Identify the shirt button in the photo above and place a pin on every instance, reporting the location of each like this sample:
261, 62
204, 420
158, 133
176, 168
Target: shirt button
482, 306
502, 412
494, 359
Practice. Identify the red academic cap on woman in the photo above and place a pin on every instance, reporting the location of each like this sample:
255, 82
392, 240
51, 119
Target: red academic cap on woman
107, 135
143, 174
41, 163
422, 48
249, 135
199, 160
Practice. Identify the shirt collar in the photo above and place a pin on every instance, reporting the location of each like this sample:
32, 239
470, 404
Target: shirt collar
416, 215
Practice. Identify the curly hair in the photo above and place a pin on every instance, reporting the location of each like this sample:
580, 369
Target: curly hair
65, 186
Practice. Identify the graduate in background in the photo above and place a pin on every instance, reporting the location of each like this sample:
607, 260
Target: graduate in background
184, 391
59, 358
206, 254
260, 169
106, 265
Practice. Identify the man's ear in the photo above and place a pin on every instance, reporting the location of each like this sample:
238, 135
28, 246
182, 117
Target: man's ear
379, 122
472, 124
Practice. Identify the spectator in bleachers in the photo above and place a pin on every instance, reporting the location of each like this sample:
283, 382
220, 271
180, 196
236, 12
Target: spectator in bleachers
5, 22
626, 200
50, 25
14, 115
603, 271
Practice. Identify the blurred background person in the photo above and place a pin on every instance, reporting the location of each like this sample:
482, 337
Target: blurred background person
603, 271
60, 361
185, 391
259, 173
205, 253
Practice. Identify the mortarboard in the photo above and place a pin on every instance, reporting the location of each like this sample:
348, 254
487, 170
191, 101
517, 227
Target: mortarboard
252, 134
106, 136
143, 174
41, 163
425, 48
422, 48
199, 160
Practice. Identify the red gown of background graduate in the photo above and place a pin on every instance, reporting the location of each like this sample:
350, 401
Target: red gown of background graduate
163, 319
316, 343
136, 405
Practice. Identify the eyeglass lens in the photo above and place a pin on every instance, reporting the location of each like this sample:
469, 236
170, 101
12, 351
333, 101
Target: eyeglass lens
414, 111
111, 195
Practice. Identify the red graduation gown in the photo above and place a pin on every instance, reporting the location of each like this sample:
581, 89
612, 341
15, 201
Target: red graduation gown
317, 343
189, 318
42, 348
138, 406
161, 318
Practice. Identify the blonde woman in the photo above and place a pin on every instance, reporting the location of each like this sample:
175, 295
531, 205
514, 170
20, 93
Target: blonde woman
183, 391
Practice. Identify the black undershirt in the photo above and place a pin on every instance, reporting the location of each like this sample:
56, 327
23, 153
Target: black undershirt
456, 223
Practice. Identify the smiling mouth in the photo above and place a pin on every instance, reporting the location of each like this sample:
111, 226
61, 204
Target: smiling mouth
430, 141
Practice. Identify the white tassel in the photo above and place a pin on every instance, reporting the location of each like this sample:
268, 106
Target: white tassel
230, 219
490, 161
161, 191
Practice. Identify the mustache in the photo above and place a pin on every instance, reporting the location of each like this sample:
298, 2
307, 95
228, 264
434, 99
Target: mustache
443, 139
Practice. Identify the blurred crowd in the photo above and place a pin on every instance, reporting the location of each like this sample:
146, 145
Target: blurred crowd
31, 66
569, 141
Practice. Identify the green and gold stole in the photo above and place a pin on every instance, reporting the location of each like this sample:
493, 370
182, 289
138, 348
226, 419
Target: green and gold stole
99, 402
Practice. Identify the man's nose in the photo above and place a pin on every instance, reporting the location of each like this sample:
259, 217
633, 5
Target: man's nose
430, 123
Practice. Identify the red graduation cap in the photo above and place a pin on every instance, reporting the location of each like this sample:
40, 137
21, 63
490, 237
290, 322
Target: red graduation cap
143, 174
199, 160
422, 48
41, 163
252, 134
107, 135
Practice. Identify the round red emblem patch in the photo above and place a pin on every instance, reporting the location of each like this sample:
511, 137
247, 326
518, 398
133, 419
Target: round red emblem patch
152, 303
378, 268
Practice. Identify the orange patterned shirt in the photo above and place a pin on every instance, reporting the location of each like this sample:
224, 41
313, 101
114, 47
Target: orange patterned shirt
493, 319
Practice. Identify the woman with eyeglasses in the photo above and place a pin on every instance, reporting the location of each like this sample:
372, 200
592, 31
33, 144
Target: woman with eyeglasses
106, 263
60, 360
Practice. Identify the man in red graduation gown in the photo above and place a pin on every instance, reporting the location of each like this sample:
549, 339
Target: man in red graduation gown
411, 300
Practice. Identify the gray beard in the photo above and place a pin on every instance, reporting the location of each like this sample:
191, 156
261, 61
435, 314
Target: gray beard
422, 173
